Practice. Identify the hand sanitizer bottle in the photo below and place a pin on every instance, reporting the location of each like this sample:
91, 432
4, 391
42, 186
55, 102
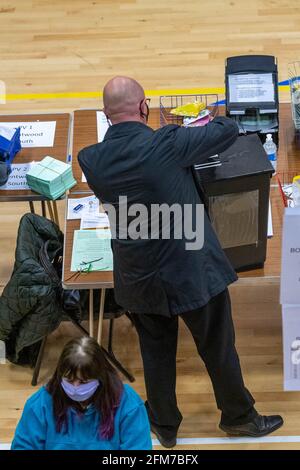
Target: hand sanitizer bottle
271, 150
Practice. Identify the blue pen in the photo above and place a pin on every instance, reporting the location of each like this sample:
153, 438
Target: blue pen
78, 208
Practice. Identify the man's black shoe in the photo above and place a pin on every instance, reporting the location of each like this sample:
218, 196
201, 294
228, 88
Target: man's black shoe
165, 442
258, 427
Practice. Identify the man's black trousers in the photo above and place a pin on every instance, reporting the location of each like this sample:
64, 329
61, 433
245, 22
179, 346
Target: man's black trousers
213, 332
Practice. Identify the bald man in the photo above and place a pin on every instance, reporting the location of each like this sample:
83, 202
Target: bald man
159, 279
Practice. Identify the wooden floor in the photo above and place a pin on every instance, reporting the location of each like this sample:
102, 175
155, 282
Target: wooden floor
257, 319
75, 46
54, 55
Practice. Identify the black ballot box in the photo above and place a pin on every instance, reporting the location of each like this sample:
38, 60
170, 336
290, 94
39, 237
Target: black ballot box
251, 84
237, 198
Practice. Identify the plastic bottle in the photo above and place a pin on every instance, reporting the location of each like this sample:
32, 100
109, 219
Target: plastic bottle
271, 150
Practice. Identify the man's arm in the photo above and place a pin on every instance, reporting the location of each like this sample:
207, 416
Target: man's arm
195, 144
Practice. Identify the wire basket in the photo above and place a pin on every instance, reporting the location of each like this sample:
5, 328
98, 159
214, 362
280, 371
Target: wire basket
166, 103
285, 186
294, 80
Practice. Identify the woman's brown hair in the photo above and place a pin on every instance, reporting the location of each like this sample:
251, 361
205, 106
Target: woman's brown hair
83, 358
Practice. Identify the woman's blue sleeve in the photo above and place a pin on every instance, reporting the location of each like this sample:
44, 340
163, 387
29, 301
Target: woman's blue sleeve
135, 430
30, 433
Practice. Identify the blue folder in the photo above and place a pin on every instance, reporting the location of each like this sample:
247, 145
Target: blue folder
9, 148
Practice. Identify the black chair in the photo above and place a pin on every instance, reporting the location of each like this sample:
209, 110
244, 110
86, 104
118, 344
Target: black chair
109, 353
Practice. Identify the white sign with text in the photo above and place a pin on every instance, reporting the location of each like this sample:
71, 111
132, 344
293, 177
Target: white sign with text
17, 178
35, 134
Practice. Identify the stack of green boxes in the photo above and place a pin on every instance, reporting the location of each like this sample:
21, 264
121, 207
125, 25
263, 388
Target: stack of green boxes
50, 177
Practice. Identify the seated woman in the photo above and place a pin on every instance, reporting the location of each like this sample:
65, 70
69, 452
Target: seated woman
84, 406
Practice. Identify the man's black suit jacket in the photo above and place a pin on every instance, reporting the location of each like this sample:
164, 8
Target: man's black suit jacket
158, 276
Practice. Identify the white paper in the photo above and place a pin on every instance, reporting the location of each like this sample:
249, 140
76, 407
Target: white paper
270, 222
291, 346
251, 87
94, 221
90, 207
17, 179
102, 125
36, 133
288, 191
7, 132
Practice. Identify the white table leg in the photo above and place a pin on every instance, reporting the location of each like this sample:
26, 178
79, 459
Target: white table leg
55, 212
101, 313
91, 313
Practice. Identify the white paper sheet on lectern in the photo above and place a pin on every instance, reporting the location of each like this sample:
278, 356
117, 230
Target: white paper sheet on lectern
90, 207
97, 221
102, 125
251, 87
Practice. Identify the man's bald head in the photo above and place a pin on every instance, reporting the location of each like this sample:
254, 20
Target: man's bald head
122, 97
